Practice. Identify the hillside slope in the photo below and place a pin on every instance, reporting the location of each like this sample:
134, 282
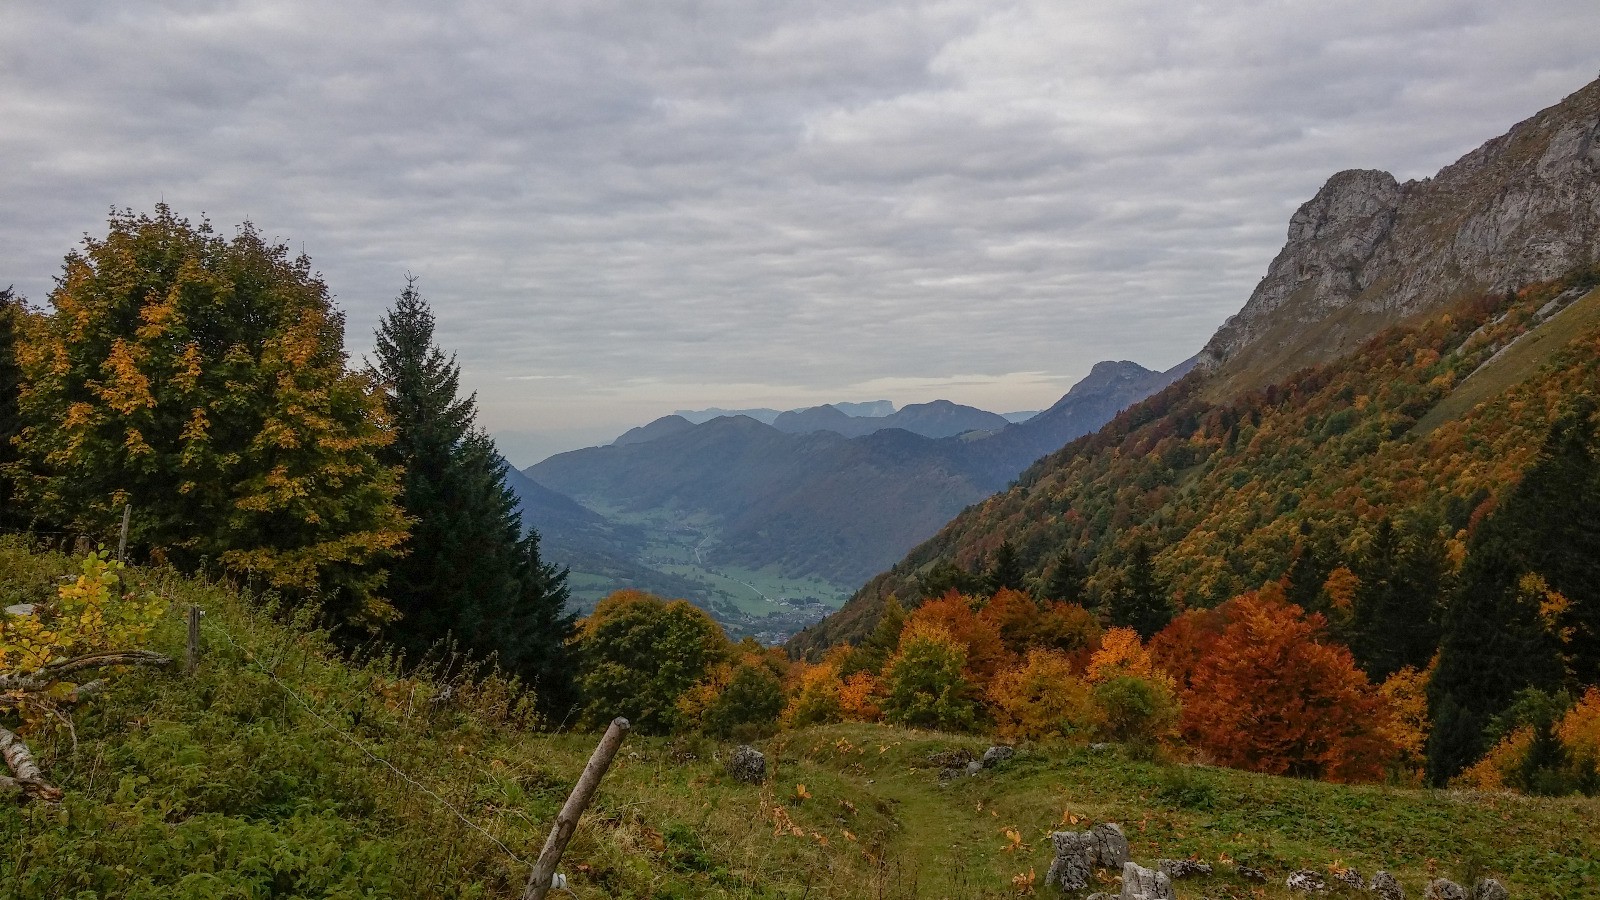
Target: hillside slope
279, 770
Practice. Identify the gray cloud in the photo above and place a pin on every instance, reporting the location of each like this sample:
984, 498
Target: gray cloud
623, 209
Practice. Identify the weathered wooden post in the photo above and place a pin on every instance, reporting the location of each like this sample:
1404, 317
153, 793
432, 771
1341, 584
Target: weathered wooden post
122, 541
192, 658
567, 820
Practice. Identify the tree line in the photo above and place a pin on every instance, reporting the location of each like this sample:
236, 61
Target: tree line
203, 381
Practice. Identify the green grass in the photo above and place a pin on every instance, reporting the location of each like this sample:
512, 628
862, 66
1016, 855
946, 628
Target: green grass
1518, 363
222, 784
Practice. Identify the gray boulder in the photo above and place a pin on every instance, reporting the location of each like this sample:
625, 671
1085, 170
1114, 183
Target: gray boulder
1306, 881
1251, 873
1074, 862
1183, 868
994, 756
1110, 845
1386, 887
1489, 889
974, 767
747, 764
1139, 883
1353, 878
1444, 889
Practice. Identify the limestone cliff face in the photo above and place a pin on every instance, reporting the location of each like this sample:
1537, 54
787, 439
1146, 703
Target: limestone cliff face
1366, 251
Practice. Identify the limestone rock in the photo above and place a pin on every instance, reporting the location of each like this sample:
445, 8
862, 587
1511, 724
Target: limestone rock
1306, 881
1251, 873
1139, 883
1489, 889
1110, 845
951, 759
1386, 887
1367, 251
1074, 862
974, 767
747, 764
994, 756
1444, 889
951, 774
1183, 868
1351, 877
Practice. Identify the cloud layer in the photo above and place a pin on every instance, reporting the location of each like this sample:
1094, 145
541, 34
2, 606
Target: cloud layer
619, 209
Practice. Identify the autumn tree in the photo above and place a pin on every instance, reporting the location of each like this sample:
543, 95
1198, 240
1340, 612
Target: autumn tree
1044, 697
470, 569
873, 653
742, 697
640, 654
925, 685
1275, 696
12, 316
204, 380
982, 650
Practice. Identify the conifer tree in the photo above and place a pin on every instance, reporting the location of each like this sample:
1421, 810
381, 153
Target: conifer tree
1307, 572
204, 380
1394, 622
1066, 581
471, 571
1141, 601
1005, 570
1497, 640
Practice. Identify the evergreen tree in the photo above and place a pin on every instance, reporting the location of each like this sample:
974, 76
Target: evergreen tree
470, 570
204, 380
1496, 643
872, 654
1395, 619
1066, 581
1005, 569
11, 315
1141, 601
1307, 572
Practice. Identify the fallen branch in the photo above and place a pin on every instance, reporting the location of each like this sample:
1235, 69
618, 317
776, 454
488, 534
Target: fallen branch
29, 778
43, 678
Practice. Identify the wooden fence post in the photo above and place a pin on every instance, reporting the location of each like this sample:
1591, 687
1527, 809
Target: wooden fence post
567, 820
122, 541
192, 658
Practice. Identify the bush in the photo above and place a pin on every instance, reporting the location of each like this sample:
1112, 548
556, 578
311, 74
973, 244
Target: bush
924, 684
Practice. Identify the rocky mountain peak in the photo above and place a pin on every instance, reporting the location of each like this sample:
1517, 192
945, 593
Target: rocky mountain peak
1366, 251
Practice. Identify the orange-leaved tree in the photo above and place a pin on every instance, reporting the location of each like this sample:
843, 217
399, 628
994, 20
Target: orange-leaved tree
1276, 696
1044, 697
982, 650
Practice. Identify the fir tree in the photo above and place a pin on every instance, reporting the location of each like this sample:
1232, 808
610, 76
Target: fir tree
1066, 581
1496, 643
1395, 619
1307, 572
470, 571
1141, 601
1005, 569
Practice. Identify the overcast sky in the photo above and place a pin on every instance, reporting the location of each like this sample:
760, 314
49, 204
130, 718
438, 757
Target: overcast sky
620, 209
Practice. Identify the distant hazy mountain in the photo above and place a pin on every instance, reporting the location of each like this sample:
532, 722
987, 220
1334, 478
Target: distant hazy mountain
868, 410
659, 428
701, 416
1016, 418
816, 501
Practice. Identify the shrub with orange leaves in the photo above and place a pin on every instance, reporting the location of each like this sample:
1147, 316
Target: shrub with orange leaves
858, 698
813, 695
1188, 639
1274, 696
1045, 697
1014, 616
1579, 733
1406, 694
1122, 653
982, 648
1069, 628
1499, 767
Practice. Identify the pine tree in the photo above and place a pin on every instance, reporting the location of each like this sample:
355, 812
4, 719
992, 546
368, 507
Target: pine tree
204, 380
470, 571
1141, 601
11, 313
1395, 619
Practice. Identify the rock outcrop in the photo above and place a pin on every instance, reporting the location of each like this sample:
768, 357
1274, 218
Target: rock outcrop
747, 764
1367, 251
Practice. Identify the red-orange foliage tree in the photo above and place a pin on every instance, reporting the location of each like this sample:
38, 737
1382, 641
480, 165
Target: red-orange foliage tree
1274, 696
985, 653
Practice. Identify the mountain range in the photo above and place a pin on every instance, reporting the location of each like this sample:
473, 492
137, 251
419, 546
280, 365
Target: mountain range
816, 493
1404, 354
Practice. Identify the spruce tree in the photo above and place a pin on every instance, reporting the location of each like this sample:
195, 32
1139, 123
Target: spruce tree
470, 570
1141, 601
1066, 581
1495, 641
1308, 571
1395, 619
1005, 569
